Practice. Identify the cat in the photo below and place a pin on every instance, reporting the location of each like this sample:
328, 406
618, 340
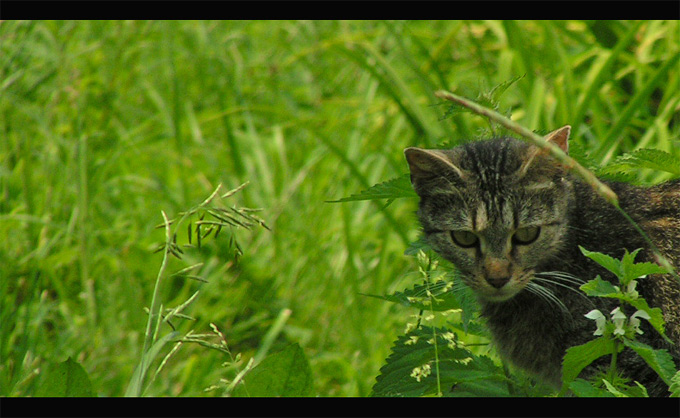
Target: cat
511, 219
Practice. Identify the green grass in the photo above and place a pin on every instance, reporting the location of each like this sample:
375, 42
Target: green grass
105, 124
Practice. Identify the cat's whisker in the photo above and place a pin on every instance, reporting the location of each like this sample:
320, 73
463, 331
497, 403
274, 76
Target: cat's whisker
559, 276
577, 291
563, 274
557, 283
546, 295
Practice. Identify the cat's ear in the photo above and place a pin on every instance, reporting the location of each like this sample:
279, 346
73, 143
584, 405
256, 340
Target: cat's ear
429, 163
560, 137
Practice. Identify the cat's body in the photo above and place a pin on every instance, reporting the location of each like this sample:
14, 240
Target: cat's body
511, 220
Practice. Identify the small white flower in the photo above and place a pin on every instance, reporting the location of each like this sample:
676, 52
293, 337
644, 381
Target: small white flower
449, 336
465, 361
450, 339
619, 319
422, 259
420, 372
631, 289
599, 319
452, 312
635, 322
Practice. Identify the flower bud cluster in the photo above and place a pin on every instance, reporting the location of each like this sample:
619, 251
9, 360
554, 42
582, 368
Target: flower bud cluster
620, 324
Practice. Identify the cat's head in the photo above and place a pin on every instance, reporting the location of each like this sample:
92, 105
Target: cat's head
496, 209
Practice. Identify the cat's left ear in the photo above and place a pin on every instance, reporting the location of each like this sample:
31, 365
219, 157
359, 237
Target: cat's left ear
425, 163
560, 137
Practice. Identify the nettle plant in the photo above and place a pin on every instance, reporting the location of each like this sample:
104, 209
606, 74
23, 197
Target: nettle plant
616, 331
431, 358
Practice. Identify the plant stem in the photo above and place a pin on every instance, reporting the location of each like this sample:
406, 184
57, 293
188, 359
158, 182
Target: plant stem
434, 330
612, 366
87, 283
154, 309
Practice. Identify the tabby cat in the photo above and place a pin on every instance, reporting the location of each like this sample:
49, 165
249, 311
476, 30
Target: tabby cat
511, 218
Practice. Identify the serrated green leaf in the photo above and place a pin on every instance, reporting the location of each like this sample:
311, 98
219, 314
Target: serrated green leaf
600, 288
659, 360
655, 315
487, 388
417, 297
580, 356
628, 259
66, 379
439, 296
675, 385
469, 304
631, 270
584, 389
654, 159
604, 260
411, 368
286, 373
638, 270
399, 187
471, 327
618, 176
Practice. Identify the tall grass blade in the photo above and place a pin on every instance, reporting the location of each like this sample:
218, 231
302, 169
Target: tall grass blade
612, 139
135, 387
602, 75
372, 61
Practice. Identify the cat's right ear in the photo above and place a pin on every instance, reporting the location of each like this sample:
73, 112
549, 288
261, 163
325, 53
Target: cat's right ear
425, 163
560, 137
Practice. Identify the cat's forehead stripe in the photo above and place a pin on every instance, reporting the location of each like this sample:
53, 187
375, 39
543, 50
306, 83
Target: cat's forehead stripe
540, 186
481, 218
500, 163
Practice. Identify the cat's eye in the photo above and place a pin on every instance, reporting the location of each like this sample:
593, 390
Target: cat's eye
465, 239
525, 236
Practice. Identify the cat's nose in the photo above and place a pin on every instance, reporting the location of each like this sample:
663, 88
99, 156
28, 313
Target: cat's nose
497, 271
497, 282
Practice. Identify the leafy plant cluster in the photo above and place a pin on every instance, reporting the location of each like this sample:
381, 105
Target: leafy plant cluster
285, 373
436, 361
615, 331
432, 359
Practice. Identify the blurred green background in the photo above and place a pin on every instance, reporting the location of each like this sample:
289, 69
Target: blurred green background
104, 124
